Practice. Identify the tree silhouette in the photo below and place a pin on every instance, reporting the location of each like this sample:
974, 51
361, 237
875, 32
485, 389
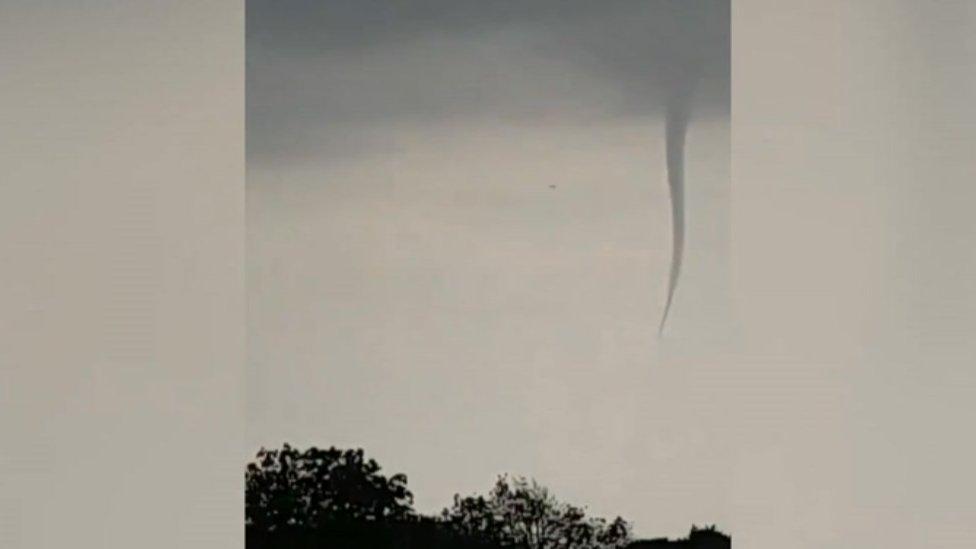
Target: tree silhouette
522, 513
338, 499
289, 488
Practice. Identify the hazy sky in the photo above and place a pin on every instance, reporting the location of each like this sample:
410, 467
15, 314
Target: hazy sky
326, 78
416, 287
458, 243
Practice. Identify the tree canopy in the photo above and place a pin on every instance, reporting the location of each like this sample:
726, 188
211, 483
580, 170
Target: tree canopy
522, 513
294, 488
339, 499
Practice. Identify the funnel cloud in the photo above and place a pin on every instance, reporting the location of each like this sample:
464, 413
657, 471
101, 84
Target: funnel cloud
459, 233
675, 131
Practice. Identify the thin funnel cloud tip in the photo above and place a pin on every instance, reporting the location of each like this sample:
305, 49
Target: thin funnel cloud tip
675, 131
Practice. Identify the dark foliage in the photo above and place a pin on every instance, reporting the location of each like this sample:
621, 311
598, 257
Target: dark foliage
419, 533
521, 513
293, 489
338, 499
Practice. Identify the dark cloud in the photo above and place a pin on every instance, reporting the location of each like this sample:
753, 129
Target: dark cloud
322, 70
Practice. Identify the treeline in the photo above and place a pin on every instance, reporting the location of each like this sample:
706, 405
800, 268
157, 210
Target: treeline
339, 499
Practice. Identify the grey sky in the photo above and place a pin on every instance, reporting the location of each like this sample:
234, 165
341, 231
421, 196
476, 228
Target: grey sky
458, 244
325, 70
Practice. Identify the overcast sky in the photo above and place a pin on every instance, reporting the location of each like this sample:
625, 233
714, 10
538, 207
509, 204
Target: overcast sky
325, 75
458, 243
